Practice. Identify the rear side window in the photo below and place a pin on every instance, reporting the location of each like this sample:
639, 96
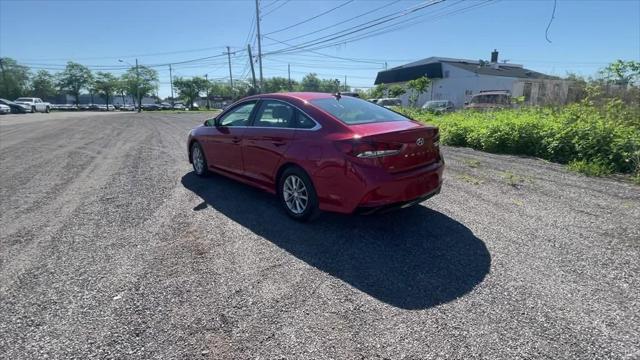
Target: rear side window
304, 122
354, 111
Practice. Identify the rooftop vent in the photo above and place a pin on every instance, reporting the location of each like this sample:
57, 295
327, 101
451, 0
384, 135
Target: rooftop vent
494, 56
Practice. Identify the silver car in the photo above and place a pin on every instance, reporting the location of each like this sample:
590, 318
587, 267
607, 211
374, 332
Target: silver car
4, 109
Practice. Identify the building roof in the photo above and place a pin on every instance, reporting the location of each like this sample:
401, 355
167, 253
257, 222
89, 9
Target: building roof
432, 68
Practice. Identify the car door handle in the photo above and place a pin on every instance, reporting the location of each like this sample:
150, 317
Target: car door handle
235, 140
278, 143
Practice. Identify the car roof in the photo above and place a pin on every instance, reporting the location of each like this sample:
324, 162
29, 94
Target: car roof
304, 96
492, 93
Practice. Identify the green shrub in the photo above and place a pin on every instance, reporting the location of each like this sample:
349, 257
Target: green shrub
590, 168
594, 140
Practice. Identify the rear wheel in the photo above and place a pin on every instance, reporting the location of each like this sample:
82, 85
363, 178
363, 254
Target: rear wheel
198, 160
297, 194
33, 109
48, 110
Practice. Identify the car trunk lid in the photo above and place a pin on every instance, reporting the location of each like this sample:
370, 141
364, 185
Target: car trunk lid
416, 144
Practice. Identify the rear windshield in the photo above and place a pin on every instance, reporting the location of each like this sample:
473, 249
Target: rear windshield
356, 111
434, 104
491, 99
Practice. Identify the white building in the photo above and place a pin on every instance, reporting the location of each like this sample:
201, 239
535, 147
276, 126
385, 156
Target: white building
458, 79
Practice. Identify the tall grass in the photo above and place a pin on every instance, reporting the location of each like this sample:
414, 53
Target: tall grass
594, 140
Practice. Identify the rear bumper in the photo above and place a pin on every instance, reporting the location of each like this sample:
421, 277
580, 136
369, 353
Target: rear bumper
370, 189
399, 205
402, 188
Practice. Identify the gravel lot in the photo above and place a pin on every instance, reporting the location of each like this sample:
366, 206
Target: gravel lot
111, 248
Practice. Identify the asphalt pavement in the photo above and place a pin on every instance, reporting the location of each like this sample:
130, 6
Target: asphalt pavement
110, 247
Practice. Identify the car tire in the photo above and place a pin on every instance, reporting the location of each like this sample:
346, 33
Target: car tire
33, 109
198, 160
298, 195
47, 110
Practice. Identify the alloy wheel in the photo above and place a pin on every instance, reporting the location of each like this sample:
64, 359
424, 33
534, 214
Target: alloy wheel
295, 194
198, 159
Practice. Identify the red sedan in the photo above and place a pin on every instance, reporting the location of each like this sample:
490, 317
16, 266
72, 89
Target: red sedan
320, 151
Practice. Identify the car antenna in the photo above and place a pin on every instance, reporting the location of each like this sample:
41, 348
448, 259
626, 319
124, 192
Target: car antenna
337, 95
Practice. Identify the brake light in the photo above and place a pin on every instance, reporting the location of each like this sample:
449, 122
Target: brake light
368, 149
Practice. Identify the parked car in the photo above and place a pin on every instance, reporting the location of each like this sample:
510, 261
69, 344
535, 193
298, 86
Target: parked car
127, 107
4, 109
165, 106
178, 106
489, 100
151, 107
15, 108
64, 107
438, 106
34, 104
106, 107
375, 101
352, 94
389, 102
319, 151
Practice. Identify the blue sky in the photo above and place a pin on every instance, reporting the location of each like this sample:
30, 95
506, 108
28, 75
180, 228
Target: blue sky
585, 35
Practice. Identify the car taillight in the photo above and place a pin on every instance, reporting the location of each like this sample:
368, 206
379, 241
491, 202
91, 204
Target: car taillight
368, 149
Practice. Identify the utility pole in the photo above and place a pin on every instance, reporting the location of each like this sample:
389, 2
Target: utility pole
259, 43
289, 75
230, 75
253, 72
206, 77
171, 81
138, 87
345, 84
385, 65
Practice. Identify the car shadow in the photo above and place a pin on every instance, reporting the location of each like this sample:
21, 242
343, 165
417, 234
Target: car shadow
414, 258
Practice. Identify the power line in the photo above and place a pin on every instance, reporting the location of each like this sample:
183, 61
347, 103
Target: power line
332, 26
277, 7
127, 56
392, 27
360, 27
553, 14
309, 19
326, 55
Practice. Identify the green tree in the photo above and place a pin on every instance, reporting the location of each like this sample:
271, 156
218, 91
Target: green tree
74, 78
329, 85
396, 91
417, 87
221, 89
275, 84
121, 88
190, 89
43, 85
378, 91
242, 89
622, 72
14, 80
310, 82
140, 82
106, 84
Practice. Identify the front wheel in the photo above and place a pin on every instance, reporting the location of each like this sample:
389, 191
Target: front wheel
47, 110
33, 109
297, 194
198, 160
